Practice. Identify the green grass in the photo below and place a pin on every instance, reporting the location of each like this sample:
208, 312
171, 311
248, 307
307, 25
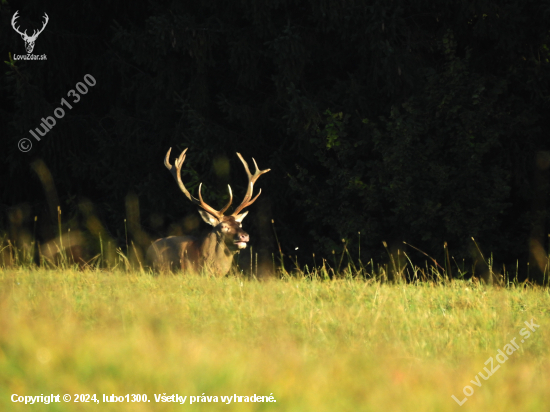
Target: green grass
316, 345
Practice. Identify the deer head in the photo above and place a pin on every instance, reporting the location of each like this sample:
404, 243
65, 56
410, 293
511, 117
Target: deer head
215, 249
29, 40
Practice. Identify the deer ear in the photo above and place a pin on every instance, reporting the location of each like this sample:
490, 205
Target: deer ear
239, 218
208, 218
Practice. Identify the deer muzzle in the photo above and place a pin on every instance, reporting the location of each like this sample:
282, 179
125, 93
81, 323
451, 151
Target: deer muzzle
241, 240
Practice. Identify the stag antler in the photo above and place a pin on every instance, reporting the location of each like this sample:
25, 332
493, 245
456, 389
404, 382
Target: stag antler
47, 19
251, 179
35, 32
176, 172
15, 17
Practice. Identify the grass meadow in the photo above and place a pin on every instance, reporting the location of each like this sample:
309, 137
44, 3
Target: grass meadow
313, 344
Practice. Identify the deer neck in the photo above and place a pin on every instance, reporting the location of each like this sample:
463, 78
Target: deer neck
216, 254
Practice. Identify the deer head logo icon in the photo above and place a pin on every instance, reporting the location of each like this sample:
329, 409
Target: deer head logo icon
29, 40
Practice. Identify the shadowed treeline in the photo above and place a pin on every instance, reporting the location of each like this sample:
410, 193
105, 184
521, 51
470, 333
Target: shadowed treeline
420, 122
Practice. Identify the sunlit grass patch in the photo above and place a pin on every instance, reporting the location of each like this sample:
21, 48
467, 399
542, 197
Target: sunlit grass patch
343, 344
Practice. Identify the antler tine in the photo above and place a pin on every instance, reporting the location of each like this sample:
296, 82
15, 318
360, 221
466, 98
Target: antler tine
228, 203
13, 19
176, 173
251, 180
43, 26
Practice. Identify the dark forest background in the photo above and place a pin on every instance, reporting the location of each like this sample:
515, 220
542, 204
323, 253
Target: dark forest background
418, 121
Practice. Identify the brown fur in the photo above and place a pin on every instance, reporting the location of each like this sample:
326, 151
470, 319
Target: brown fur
213, 251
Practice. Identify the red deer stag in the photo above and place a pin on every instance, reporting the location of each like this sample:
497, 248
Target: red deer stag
215, 249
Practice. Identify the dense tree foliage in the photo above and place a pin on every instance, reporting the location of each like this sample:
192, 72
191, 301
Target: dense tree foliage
404, 121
